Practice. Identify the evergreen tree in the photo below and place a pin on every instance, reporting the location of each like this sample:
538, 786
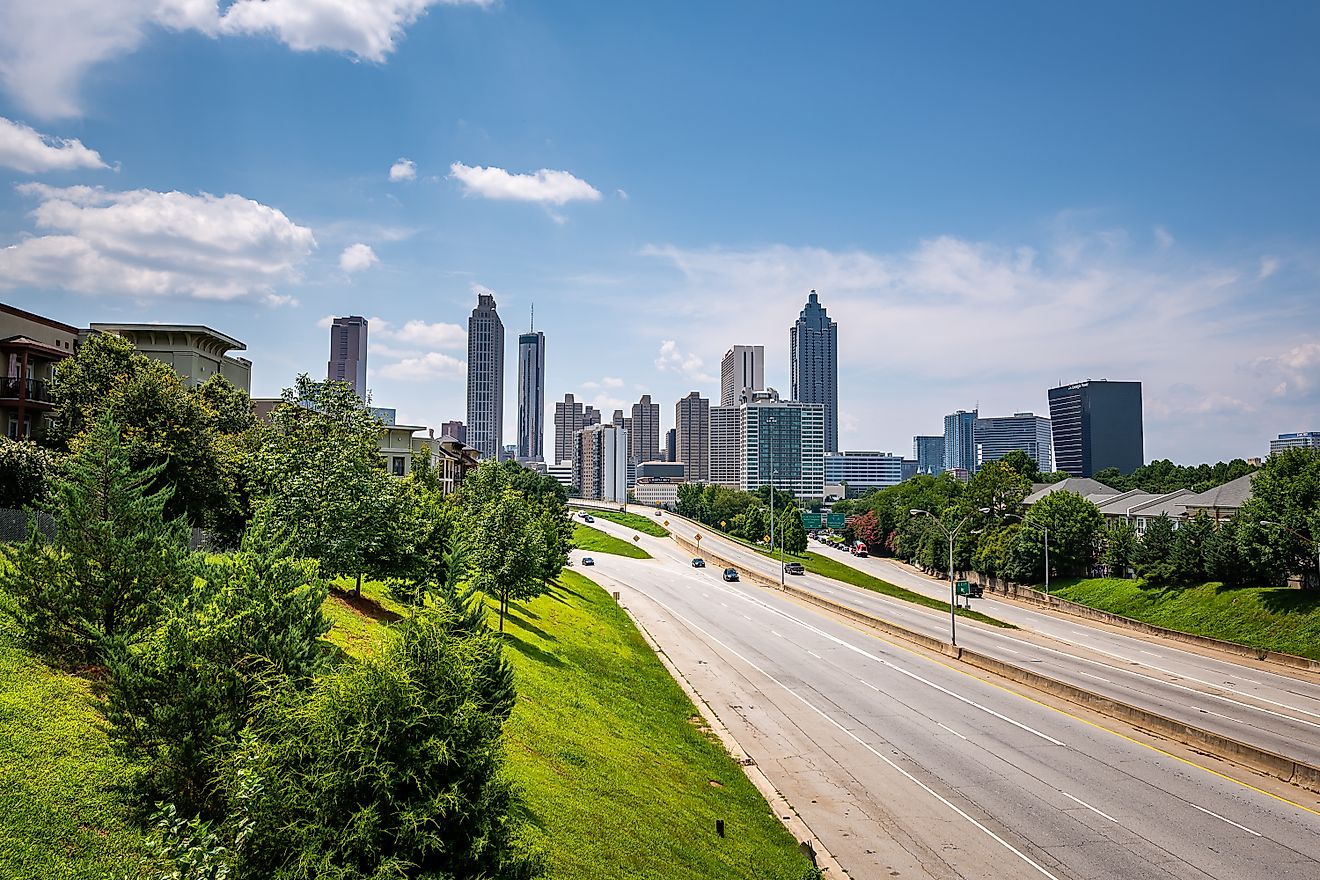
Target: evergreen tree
506, 550
1120, 548
1153, 559
114, 560
792, 534
1188, 557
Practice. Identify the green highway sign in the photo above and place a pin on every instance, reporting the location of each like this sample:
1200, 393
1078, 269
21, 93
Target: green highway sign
835, 520
962, 588
810, 520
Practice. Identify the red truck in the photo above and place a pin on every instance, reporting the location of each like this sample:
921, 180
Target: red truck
857, 549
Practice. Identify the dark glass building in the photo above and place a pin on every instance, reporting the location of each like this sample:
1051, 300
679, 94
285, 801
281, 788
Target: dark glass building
813, 355
485, 378
1097, 424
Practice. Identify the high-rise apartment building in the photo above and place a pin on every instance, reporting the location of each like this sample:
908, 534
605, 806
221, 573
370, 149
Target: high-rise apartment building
692, 436
782, 444
454, 428
725, 442
348, 353
863, 471
1299, 440
1096, 424
590, 416
999, 435
570, 418
671, 445
531, 395
644, 431
600, 463
813, 355
485, 378
742, 370
960, 441
928, 450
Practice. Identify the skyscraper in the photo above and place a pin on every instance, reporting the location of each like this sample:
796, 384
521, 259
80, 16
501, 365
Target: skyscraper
741, 370
485, 378
813, 354
569, 419
997, 436
724, 447
781, 444
692, 436
960, 441
671, 445
1097, 425
348, 353
928, 450
531, 395
600, 462
644, 430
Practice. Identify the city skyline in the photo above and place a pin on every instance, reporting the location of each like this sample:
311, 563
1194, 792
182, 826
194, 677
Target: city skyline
986, 251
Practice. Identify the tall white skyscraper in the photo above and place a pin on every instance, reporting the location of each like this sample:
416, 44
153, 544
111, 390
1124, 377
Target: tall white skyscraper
485, 378
741, 370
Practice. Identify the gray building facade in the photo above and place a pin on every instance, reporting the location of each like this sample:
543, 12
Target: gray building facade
644, 430
348, 353
960, 441
999, 435
692, 436
1097, 424
742, 369
531, 395
813, 356
485, 378
928, 451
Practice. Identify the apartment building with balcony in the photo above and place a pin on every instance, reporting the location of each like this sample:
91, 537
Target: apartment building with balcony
30, 347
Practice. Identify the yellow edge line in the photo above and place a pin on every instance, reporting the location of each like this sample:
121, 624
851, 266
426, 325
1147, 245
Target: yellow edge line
875, 634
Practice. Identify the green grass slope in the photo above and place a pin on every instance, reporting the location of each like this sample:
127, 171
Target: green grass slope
59, 813
591, 540
616, 770
1273, 619
649, 525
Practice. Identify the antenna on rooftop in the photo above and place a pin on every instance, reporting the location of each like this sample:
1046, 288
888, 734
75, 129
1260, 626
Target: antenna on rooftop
533, 327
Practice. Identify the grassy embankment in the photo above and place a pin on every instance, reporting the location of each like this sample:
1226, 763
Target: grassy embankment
1274, 619
646, 524
617, 773
591, 540
60, 812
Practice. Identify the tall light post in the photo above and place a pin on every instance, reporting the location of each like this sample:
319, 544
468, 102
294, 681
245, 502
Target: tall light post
1300, 537
953, 594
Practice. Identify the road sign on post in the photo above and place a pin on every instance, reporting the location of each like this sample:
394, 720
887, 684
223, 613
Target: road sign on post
963, 589
811, 520
835, 520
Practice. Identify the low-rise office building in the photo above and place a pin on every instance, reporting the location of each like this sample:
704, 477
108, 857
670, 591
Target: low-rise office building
863, 472
194, 351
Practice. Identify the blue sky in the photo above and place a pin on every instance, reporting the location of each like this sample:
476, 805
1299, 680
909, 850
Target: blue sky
990, 198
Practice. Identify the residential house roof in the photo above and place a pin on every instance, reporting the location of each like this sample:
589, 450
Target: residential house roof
1229, 496
1084, 486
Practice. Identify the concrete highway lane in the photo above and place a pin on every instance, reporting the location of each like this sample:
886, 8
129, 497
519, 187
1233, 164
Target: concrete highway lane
1272, 710
905, 766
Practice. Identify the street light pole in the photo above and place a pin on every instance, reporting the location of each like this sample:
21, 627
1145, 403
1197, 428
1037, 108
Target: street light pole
953, 592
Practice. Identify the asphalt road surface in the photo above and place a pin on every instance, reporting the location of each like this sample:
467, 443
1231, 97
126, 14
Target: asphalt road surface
907, 766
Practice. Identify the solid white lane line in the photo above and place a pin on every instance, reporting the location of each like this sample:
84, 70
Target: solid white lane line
814, 654
882, 661
868, 684
923, 786
1096, 677
1222, 819
1088, 806
951, 730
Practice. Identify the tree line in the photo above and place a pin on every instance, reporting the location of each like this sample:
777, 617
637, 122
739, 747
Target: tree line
266, 752
746, 515
1272, 536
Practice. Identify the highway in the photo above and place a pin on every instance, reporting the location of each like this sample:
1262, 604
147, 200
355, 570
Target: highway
906, 766
1277, 711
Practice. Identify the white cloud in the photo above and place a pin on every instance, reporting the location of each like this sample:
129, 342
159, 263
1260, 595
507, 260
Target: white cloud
1163, 238
144, 243
46, 48
404, 169
29, 151
424, 368
1268, 266
950, 322
622, 194
606, 382
420, 334
672, 360
545, 186
357, 257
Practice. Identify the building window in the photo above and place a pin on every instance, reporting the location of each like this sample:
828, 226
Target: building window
398, 465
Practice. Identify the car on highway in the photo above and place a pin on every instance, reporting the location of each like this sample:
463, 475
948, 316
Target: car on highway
586, 517
657, 513
698, 562
794, 568
587, 560
730, 574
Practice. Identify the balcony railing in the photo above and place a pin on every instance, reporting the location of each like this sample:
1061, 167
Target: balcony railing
12, 388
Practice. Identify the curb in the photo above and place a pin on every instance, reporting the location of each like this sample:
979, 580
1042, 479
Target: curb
784, 811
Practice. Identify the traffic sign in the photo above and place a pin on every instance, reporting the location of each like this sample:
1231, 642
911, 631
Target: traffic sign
810, 520
962, 588
836, 520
